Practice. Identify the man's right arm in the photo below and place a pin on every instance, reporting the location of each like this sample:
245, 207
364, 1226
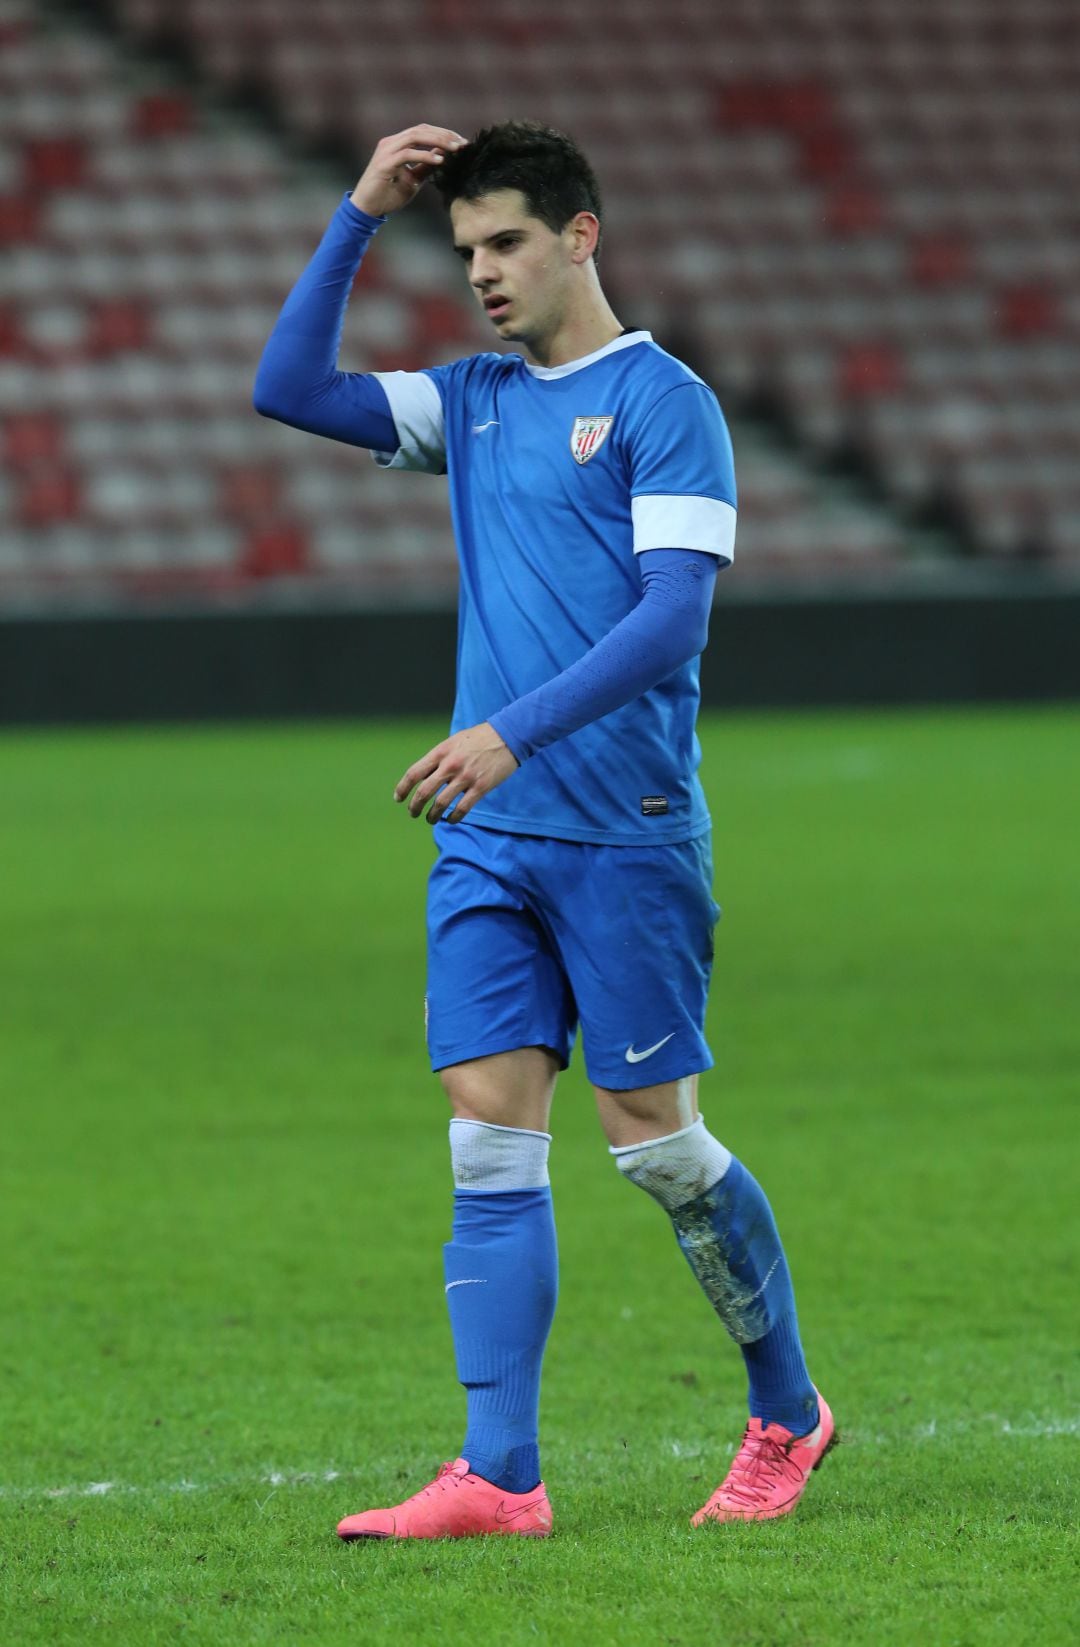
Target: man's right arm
298, 381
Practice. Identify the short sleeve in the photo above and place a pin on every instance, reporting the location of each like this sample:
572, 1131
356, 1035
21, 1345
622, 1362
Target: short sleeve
417, 410
682, 475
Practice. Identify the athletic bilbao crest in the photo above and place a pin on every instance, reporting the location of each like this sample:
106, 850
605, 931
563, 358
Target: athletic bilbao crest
588, 435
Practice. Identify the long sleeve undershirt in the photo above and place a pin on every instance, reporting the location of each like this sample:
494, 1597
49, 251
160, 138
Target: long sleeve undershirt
298, 383
667, 628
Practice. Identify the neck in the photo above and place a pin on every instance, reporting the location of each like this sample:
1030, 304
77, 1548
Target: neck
587, 329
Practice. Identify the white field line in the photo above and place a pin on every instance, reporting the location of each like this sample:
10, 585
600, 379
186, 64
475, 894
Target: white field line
120, 1489
1029, 1428
1036, 1429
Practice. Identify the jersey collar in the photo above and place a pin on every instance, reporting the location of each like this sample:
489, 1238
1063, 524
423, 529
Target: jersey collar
624, 342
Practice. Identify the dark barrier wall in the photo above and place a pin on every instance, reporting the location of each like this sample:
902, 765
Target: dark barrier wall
776, 654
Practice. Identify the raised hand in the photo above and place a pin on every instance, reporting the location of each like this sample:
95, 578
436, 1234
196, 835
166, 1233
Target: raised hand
400, 167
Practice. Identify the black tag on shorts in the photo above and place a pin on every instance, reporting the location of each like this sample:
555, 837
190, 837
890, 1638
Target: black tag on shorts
652, 806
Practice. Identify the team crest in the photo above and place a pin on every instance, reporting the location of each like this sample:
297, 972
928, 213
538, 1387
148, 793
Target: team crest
588, 435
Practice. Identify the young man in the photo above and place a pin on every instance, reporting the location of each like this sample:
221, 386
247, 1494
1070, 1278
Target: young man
593, 500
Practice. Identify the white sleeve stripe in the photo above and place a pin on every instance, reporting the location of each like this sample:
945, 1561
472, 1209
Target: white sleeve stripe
417, 411
663, 522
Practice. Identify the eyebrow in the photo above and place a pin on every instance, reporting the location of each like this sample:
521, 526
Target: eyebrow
500, 234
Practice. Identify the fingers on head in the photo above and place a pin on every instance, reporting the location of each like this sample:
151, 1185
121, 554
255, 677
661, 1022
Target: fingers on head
444, 136
429, 137
418, 163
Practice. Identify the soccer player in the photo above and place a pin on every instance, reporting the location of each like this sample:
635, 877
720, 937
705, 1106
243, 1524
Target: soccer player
593, 500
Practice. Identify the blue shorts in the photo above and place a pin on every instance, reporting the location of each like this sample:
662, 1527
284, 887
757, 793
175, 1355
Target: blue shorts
527, 936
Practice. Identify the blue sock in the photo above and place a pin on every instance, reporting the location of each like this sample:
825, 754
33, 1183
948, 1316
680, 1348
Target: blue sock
729, 1237
501, 1285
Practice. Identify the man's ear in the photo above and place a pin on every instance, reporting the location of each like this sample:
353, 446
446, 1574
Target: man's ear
584, 229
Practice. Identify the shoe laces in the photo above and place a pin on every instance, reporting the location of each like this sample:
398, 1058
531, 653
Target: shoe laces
449, 1476
760, 1461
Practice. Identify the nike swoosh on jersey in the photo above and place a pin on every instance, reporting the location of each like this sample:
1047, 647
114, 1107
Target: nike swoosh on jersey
633, 1057
478, 428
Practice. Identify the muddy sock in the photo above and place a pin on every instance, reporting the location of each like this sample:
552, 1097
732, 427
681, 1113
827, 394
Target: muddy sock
727, 1232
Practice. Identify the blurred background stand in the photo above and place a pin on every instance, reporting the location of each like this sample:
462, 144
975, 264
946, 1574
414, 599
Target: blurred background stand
856, 218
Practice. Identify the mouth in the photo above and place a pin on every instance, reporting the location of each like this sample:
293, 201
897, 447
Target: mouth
496, 306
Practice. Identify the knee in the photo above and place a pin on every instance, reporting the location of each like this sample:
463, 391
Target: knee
647, 1113
507, 1089
471, 1096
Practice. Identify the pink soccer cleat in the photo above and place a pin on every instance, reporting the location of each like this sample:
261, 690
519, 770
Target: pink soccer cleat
456, 1505
768, 1474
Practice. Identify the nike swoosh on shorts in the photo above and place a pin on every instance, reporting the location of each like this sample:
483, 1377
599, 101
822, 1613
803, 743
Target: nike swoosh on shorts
633, 1057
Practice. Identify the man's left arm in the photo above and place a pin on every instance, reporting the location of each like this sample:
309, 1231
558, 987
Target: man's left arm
682, 492
667, 627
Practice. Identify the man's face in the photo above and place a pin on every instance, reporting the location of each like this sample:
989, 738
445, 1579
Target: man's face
519, 268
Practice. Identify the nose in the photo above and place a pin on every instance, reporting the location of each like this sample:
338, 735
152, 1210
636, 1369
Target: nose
482, 271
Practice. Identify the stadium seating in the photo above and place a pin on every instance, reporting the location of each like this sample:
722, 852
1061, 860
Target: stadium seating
146, 250
855, 213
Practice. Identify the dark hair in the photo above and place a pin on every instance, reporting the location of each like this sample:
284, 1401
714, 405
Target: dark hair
546, 165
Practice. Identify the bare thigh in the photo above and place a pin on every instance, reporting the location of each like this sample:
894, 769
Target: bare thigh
647, 1112
506, 1089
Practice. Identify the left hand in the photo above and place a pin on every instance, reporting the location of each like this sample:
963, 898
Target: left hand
462, 770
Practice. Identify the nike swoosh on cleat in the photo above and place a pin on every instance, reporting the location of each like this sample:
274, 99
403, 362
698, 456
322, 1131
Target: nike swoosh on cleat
513, 1515
633, 1057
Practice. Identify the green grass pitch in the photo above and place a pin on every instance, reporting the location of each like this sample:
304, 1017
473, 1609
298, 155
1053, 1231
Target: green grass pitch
224, 1187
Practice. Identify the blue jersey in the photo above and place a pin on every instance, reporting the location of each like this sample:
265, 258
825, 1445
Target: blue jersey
559, 476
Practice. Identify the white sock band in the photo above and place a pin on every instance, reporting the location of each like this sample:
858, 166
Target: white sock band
487, 1157
675, 1169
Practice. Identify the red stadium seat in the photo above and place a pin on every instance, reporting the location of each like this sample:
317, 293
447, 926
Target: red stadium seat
20, 219
55, 163
12, 340
276, 551
870, 370
33, 439
49, 496
855, 208
1028, 310
118, 327
162, 115
827, 154
790, 106
940, 259
441, 319
250, 493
